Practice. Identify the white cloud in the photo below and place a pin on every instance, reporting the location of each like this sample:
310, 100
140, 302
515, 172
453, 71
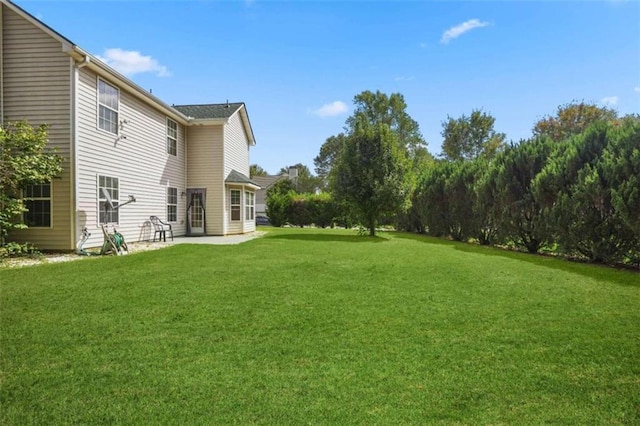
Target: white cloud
423, 45
636, 89
609, 100
404, 78
332, 109
130, 62
458, 30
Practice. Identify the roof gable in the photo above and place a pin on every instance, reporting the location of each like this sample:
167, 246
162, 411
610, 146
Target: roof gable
237, 177
218, 114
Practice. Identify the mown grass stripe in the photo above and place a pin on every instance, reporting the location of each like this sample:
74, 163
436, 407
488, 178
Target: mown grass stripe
320, 326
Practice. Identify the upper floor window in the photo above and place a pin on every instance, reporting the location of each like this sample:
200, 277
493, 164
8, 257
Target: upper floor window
108, 196
108, 106
172, 137
235, 204
37, 201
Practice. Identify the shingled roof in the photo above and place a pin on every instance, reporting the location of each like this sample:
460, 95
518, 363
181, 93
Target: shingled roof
237, 177
209, 111
266, 181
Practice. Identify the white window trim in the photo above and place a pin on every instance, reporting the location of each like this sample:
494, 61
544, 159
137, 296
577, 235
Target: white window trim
232, 205
50, 199
98, 104
99, 199
175, 139
251, 206
172, 204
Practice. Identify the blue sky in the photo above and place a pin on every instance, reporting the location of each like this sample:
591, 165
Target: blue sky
298, 64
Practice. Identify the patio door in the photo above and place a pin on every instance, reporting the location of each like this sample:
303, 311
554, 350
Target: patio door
196, 211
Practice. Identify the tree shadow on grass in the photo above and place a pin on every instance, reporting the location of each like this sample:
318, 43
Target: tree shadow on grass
318, 237
598, 272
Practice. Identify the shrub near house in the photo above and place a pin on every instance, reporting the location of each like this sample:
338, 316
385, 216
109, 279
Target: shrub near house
27, 170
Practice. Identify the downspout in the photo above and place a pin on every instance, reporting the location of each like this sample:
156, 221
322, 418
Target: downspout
226, 201
243, 203
185, 142
1, 64
75, 208
84, 62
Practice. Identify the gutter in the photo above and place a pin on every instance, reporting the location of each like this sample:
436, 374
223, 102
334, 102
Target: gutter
84, 62
93, 63
1, 65
109, 74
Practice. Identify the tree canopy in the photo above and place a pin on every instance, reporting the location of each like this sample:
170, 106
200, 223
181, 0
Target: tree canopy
256, 170
373, 174
24, 160
326, 159
379, 108
372, 109
467, 138
572, 119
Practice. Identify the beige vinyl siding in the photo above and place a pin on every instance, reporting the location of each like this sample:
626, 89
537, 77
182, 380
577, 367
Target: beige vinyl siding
204, 170
236, 157
36, 86
236, 146
140, 162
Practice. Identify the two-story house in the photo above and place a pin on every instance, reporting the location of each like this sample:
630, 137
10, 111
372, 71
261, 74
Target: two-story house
188, 164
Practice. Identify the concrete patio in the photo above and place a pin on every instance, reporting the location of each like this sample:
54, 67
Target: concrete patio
226, 240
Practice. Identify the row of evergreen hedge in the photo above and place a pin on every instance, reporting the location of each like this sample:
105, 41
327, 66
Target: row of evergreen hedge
579, 197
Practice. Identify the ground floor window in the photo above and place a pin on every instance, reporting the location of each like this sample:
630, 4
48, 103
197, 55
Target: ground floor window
235, 204
37, 201
172, 204
108, 196
249, 205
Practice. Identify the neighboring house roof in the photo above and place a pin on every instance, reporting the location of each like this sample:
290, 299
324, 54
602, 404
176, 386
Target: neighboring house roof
237, 177
266, 181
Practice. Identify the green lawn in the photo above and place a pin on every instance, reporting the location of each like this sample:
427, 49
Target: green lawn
320, 327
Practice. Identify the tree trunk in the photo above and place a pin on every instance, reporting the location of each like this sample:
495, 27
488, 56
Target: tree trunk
371, 225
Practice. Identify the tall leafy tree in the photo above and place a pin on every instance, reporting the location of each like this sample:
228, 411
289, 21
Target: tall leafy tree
391, 110
326, 159
256, 170
410, 220
375, 108
24, 160
572, 119
372, 175
467, 138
